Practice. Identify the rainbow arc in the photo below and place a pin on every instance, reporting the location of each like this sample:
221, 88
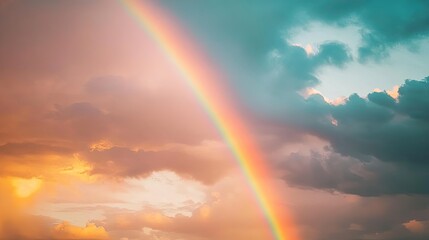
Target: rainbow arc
209, 87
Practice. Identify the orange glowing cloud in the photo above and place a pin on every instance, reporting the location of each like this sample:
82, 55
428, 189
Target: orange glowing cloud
66, 230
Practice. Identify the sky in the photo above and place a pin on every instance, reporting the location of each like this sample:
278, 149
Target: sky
102, 136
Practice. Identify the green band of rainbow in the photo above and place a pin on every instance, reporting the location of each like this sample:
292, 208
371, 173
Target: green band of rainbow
206, 83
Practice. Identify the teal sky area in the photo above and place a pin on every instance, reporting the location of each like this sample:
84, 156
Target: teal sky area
403, 62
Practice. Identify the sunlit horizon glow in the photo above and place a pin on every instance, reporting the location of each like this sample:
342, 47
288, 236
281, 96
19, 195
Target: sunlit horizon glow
26, 187
205, 80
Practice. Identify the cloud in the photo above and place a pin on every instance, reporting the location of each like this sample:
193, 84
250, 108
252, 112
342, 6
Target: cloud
17, 223
141, 110
296, 69
65, 230
377, 34
376, 145
122, 162
413, 99
271, 20
415, 226
19, 149
332, 172
28, 227
79, 120
410, 21
366, 128
227, 214
349, 217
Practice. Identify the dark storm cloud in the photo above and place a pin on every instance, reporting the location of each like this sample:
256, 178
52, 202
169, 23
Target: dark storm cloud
333, 53
296, 68
379, 144
398, 23
384, 24
332, 171
414, 100
382, 98
390, 132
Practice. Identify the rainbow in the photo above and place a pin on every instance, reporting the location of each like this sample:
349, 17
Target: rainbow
205, 82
